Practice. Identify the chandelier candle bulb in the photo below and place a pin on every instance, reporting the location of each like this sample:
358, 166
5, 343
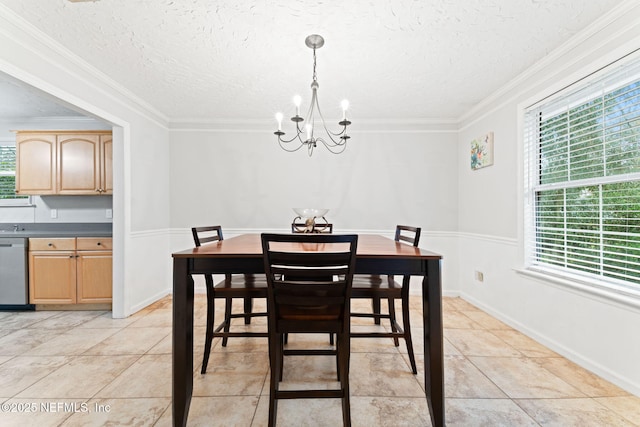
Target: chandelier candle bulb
309, 131
345, 106
279, 119
297, 100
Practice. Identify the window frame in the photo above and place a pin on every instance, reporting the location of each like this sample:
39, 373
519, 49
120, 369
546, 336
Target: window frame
20, 201
532, 266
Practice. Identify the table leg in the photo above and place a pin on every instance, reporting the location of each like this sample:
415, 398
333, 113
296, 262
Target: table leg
433, 342
182, 340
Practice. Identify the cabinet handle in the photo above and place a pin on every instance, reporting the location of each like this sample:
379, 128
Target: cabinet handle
97, 190
71, 256
99, 243
50, 244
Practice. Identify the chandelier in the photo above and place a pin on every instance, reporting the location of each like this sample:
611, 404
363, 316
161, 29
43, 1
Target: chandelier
308, 136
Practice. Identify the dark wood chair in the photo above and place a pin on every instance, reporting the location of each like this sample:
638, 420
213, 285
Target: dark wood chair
245, 286
376, 287
309, 292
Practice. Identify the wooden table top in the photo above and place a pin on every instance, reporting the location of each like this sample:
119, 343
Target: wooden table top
249, 245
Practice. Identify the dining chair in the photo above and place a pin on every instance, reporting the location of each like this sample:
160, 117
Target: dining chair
309, 279
245, 286
376, 287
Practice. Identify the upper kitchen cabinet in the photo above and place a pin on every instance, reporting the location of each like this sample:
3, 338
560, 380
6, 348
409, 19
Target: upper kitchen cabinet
64, 162
35, 163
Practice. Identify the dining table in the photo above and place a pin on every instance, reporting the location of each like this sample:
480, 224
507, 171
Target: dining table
242, 254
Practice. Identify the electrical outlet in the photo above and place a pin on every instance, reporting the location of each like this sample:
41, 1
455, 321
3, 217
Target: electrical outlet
54, 213
109, 213
479, 276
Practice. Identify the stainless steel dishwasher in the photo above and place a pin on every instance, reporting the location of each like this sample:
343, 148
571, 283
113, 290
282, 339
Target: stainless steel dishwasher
14, 286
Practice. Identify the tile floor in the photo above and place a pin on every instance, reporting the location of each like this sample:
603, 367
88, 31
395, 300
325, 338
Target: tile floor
85, 369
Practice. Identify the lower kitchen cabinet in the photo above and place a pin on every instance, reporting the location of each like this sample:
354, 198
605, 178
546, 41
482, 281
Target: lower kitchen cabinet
70, 270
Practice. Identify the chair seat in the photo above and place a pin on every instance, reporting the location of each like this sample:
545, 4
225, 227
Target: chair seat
244, 286
364, 286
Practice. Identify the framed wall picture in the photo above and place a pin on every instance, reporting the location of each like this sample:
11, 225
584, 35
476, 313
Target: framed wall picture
482, 151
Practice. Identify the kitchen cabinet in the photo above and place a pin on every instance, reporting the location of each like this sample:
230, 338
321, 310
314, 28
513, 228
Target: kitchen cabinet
70, 270
64, 162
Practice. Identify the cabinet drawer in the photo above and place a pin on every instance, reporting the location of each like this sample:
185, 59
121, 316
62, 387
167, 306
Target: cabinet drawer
94, 243
57, 244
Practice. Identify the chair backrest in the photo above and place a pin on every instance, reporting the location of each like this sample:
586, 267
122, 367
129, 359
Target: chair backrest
408, 234
301, 227
309, 279
206, 234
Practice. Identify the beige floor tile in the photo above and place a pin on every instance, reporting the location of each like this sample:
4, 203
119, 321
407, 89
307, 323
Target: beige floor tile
159, 317
464, 380
119, 412
390, 411
460, 305
82, 377
571, 412
72, 342
5, 358
24, 319
368, 345
19, 342
486, 413
484, 320
66, 319
21, 372
523, 343
478, 342
626, 406
587, 382
106, 320
220, 411
130, 341
458, 320
381, 374
230, 373
522, 378
147, 377
39, 412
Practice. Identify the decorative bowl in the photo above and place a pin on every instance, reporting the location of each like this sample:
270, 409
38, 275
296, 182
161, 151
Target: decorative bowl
310, 212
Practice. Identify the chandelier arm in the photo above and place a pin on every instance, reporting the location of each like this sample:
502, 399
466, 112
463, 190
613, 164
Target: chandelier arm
333, 148
286, 148
324, 125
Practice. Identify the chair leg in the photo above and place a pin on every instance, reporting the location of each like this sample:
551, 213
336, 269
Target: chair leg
375, 307
406, 325
227, 319
211, 306
344, 355
248, 309
275, 356
281, 349
392, 319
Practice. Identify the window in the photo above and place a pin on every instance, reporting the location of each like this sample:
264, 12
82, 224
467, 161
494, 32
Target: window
583, 182
8, 177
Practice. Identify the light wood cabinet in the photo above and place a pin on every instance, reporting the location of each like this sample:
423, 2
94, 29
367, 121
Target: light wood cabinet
64, 162
70, 270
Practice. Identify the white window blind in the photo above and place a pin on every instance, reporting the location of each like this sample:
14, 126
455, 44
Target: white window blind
8, 175
583, 180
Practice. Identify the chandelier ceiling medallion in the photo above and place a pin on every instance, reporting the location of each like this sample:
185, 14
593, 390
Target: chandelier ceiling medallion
308, 136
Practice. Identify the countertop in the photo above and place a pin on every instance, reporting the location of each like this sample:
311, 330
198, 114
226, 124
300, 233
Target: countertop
55, 230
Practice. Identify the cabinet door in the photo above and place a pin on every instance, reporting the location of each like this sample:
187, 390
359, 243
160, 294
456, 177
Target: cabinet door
78, 164
36, 163
94, 275
52, 277
106, 181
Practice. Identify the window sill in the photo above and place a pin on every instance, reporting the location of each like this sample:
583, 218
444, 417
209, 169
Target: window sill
627, 297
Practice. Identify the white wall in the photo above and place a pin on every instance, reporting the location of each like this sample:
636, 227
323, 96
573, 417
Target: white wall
142, 263
596, 332
244, 180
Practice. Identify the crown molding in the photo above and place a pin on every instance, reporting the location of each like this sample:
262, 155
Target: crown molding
435, 125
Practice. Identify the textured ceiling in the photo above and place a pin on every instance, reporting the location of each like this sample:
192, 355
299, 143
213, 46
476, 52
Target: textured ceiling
230, 59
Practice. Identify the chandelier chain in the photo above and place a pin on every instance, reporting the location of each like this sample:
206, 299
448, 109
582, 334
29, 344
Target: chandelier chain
314, 65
